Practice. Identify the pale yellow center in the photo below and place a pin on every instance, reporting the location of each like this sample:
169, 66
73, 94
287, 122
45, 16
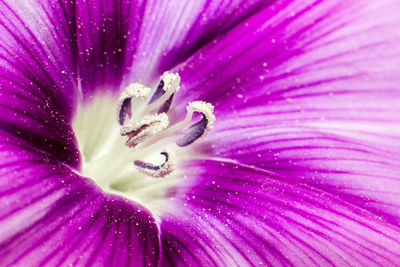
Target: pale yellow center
108, 161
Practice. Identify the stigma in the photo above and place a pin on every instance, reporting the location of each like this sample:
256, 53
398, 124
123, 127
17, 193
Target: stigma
144, 119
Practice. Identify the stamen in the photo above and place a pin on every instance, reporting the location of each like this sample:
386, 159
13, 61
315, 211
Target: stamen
134, 90
196, 131
156, 171
140, 131
124, 110
149, 125
163, 95
200, 128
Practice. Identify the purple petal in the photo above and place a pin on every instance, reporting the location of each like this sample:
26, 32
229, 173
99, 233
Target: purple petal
171, 31
50, 216
140, 40
364, 173
48, 45
299, 49
107, 39
312, 94
231, 215
37, 75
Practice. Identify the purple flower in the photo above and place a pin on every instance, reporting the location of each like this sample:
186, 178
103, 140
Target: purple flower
301, 166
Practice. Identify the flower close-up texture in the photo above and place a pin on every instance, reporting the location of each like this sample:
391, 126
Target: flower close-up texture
199, 133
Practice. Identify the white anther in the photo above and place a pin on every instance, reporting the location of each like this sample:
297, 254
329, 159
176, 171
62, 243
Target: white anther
202, 107
135, 90
140, 131
132, 96
169, 80
158, 171
153, 127
205, 108
171, 85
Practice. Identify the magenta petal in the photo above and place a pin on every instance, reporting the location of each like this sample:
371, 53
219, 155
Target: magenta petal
37, 75
139, 40
171, 31
107, 39
305, 49
109, 43
311, 93
231, 215
51, 216
364, 173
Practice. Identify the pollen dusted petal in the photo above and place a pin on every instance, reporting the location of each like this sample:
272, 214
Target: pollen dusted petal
38, 76
228, 213
51, 216
107, 33
186, 27
310, 92
225, 214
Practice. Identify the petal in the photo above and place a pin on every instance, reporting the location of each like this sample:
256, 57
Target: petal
37, 75
171, 31
50, 216
298, 49
107, 35
227, 214
139, 40
365, 173
312, 94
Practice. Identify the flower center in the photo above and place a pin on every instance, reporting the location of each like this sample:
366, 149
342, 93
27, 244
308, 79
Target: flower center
123, 155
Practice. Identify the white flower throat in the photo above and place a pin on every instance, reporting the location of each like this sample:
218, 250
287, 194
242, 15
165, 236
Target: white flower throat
124, 153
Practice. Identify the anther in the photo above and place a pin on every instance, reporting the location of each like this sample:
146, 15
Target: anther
195, 131
134, 90
200, 128
156, 171
149, 125
139, 131
162, 97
